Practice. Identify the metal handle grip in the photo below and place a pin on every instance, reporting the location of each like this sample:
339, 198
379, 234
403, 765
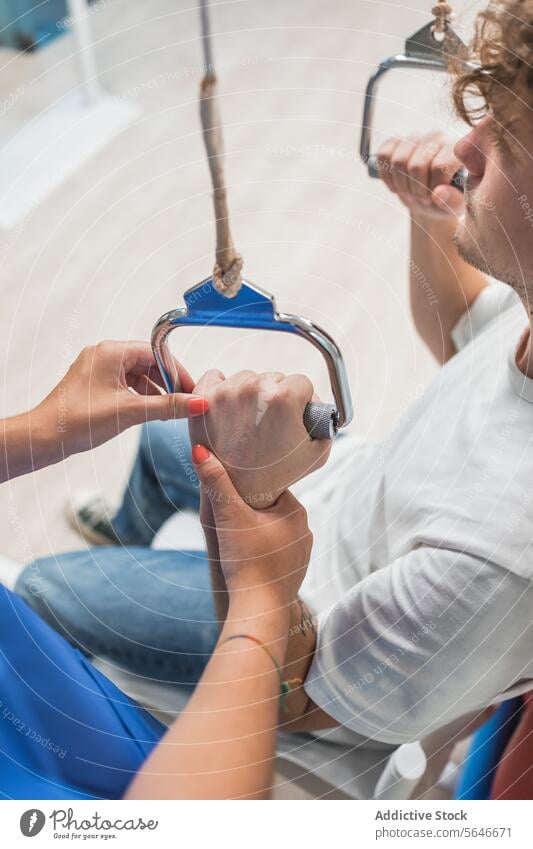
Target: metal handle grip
320, 420
253, 308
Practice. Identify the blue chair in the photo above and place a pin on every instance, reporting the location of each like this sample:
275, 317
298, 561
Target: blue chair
486, 749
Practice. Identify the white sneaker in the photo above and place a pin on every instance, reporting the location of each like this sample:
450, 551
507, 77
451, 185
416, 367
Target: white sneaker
90, 515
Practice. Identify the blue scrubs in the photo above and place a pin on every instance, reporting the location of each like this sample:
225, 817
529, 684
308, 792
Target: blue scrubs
66, 731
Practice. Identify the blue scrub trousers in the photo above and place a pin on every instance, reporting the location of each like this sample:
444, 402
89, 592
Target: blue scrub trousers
66, 732
149, 611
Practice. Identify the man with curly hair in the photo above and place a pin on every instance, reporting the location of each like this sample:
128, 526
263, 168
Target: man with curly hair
422, 571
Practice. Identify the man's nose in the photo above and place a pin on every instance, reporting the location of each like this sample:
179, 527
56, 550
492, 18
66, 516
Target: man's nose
468, 151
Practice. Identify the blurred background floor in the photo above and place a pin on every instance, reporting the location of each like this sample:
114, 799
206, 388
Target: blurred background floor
118, 243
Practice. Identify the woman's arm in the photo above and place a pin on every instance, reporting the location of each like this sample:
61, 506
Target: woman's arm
93, 403
223, 745
298, 713
25, 447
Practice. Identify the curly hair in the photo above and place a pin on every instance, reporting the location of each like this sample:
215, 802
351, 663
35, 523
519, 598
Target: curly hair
502, 51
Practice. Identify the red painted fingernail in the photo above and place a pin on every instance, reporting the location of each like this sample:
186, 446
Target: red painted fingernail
199, 454
197, 406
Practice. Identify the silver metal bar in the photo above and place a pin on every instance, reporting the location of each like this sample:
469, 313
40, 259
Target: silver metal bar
253, 308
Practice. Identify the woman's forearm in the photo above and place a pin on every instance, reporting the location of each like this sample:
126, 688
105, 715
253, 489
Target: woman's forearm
442, 284
222, 746
26, 446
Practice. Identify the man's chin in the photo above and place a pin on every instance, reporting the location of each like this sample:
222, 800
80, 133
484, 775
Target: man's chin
463, 241
466, 246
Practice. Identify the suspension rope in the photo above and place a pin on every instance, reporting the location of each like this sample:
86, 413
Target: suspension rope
443, 13
228, 264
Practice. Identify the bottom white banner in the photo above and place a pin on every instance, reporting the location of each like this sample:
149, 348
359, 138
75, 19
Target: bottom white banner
254, 825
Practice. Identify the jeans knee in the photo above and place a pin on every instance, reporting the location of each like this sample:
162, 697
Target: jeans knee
35, 581
166, 449
163, 437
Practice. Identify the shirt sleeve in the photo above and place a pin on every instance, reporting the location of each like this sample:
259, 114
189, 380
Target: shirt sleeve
493, 300
420, 643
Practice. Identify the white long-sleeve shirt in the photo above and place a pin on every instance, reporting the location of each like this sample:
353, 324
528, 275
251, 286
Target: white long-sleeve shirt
422, 564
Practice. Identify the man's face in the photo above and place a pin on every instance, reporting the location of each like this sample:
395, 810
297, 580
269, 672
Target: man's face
496, 233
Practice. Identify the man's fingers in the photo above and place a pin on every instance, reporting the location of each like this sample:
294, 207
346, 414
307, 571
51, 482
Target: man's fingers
448, 199
239, 377
419, 166
217, 484
297, 386
272, 376
208, 381
444, 166
415, 166
384, 162
399, 167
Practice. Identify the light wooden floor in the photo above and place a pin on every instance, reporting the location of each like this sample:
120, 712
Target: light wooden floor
118, 243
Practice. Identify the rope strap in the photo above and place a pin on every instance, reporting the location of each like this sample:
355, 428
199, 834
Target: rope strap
442, 12
228, 265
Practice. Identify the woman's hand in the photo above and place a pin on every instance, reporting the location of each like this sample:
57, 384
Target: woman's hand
109, 387
263, 554
419, 170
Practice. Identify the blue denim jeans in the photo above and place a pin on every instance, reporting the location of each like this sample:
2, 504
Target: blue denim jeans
149, 611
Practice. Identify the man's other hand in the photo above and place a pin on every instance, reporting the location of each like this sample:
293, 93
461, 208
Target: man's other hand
419, 170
